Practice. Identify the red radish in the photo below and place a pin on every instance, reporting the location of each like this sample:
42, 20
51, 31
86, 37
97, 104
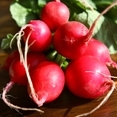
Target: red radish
88, 77
33, 59
87, 85
10, 59
100, 51
48, 82
18, 75
17, 72
54, 14
68, 39
72, 46
40, 35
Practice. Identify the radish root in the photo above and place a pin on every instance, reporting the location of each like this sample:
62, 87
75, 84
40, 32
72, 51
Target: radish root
6, 90
101, 103
23, 59
102, 74
112, 63
33, 94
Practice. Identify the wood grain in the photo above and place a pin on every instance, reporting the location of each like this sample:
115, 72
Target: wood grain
67, 105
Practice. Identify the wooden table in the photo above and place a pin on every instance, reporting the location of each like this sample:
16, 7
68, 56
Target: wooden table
67, 105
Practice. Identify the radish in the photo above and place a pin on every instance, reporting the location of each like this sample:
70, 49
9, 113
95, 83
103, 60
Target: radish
89, 77
87, 85
33, 59
17, 72
74, 42
68, 39
54, 14
99, 50
48, 82
40, 35
18, 75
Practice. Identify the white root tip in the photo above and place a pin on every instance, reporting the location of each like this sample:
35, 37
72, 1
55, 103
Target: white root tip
101, 103
112, 64
3, 96
108, 76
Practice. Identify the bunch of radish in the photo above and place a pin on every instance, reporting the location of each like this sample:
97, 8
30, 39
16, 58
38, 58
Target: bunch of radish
87, 74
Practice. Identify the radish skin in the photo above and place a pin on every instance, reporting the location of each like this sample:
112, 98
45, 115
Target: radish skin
54, 14
68, 39
99, 50
86, 84
40, 35
48, 81
88, 77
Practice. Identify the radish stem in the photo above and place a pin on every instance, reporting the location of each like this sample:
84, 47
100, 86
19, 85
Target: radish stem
91, 30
